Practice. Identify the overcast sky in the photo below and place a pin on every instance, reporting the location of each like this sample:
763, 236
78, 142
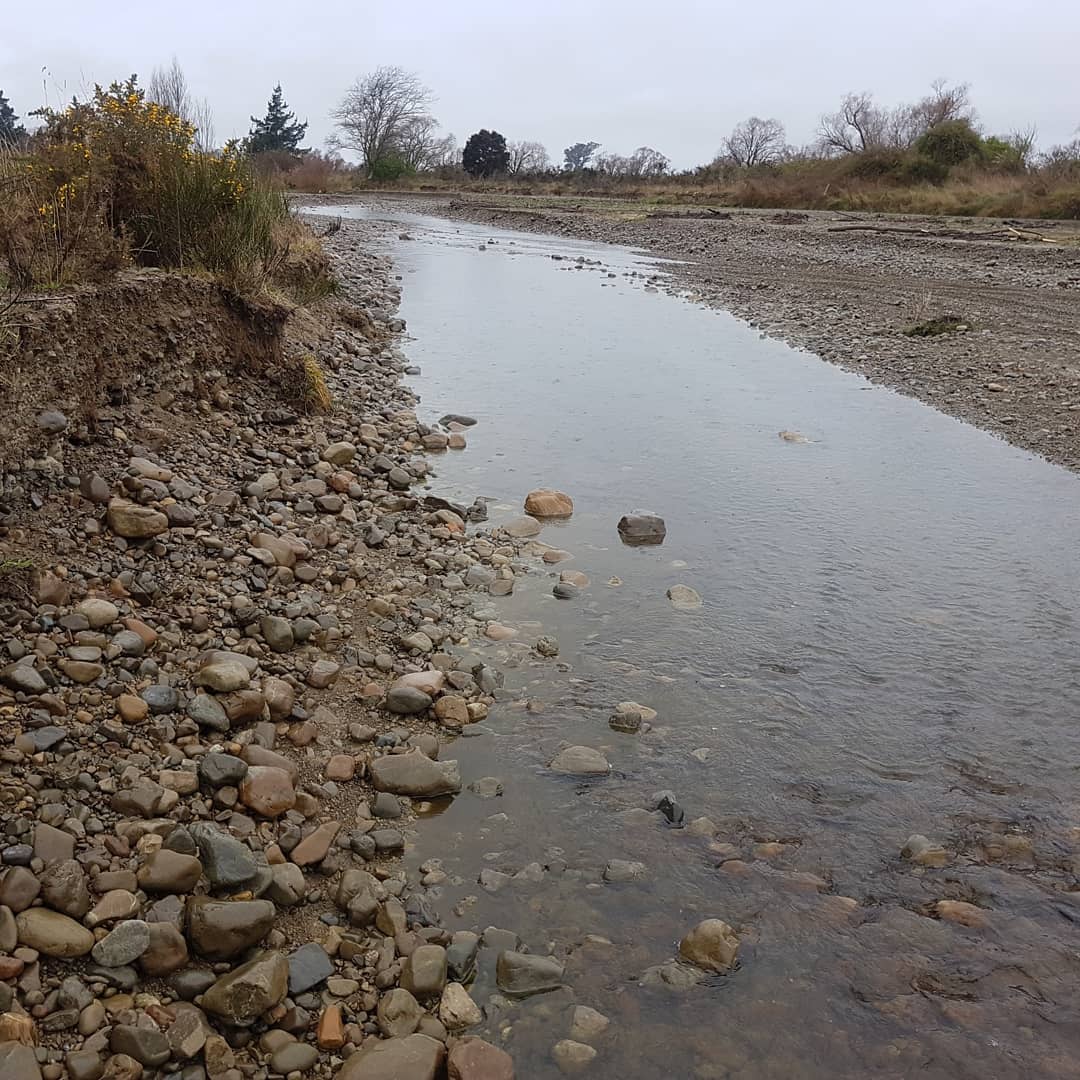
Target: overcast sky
625, 73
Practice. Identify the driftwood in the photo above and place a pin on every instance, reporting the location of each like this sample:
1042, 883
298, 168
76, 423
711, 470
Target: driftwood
1007, 233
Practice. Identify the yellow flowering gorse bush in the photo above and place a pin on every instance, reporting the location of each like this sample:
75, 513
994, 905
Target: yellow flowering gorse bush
120, 178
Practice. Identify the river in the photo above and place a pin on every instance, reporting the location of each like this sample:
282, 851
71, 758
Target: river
887, 646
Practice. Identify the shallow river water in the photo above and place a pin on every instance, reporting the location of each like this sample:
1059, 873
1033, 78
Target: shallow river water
888, 645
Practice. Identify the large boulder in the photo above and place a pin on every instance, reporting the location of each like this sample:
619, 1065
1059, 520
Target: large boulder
414, 774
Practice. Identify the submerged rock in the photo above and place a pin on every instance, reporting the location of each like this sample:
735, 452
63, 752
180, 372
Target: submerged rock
711, 945
523, 974
580, 761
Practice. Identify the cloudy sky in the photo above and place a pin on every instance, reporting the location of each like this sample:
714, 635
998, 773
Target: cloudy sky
624, 73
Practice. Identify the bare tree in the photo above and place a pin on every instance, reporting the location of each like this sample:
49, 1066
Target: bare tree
755, 142
527, 157
169, 88
646, 163
862, 125
379, 110
942, 104
859, 125
418, 144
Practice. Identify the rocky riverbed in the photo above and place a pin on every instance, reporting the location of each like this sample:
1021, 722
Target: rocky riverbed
831, 283
238, 649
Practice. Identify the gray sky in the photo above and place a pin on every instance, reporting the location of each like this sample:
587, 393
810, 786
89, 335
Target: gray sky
624, 73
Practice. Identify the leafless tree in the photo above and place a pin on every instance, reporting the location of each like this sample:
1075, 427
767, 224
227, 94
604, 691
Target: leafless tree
862, 125
755, 142
379, 110
419, 145
647, 163
859, 125
527, 157
644, 163
169, 88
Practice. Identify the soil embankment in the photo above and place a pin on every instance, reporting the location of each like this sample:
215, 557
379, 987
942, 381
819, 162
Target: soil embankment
832, 283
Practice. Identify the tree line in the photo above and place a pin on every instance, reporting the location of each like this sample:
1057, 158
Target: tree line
385, 119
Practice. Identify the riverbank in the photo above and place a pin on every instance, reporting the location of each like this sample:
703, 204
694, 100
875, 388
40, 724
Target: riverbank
851, 288
236, 638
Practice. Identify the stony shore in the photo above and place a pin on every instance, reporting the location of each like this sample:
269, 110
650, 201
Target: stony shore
830, 283
237, 646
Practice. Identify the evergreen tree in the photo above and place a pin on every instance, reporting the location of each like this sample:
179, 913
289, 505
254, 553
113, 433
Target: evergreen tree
485, 154
10, 129
276, 131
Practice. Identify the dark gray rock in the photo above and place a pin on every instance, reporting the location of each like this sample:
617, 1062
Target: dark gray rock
309, 966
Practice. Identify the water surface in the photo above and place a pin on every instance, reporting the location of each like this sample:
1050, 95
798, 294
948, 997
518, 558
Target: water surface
888, 645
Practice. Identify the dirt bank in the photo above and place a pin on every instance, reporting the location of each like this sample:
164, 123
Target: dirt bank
850, 295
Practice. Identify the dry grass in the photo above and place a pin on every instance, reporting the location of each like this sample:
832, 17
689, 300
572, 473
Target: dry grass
814, 185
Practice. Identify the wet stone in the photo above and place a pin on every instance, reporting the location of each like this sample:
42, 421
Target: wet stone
523, 974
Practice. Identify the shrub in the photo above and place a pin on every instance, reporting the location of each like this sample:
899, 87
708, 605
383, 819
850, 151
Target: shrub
119, 177
951, 143
391, 167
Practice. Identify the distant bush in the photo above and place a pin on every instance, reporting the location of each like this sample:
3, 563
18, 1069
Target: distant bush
390, 168
951, 143
118, 179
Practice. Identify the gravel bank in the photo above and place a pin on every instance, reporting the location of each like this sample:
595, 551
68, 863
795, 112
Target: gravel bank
849, 296
237, 643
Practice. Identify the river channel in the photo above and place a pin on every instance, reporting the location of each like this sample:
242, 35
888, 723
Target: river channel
887, 645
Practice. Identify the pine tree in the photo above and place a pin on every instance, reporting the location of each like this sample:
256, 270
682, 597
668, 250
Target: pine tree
10, 129
276, 131
485, 154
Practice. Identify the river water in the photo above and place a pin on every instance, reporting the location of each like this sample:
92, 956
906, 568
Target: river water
888, 645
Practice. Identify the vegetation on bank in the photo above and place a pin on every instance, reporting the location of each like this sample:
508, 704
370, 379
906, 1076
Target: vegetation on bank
929, 156
122, 180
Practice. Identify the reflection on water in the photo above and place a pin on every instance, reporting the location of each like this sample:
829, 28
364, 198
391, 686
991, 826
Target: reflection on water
887, 646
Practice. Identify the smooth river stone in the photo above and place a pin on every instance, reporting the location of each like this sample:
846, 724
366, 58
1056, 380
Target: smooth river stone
52, 933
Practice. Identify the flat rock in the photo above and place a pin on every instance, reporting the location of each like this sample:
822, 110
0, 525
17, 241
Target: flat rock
522, 527
524, 974
472, 1058
413, 1057
124, 944
135, 522
407, 700
308, 967
580, 761
414, 774
683, 598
